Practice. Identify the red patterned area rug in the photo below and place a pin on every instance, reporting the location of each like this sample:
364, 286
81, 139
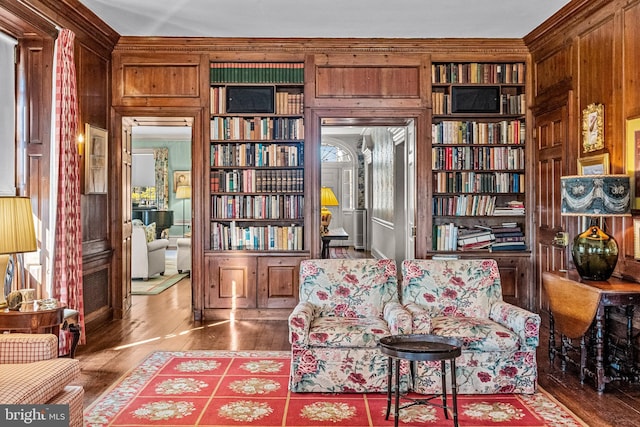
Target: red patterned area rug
223, 388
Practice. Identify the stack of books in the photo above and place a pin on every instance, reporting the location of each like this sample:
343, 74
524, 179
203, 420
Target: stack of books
513, 208
508, 237
475, 238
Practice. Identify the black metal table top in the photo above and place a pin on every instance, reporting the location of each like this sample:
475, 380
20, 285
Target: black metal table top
421, 347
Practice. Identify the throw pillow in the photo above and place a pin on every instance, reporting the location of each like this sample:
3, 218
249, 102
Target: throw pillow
150, 231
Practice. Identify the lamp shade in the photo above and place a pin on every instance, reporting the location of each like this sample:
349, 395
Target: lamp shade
327, 197
183, 192
17, 233
595, 195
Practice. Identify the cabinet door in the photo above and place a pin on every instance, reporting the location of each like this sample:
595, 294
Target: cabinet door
278, 281
231, 282
513, 277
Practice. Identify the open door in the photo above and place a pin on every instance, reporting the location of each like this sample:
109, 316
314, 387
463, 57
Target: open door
410, 191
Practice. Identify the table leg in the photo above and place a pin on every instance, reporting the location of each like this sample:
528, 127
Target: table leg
600, 349
325, 249
552, 340
583, 358
443, 371
397, 411
389, 386
454, 392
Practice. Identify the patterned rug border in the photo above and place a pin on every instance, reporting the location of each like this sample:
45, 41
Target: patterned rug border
155, 360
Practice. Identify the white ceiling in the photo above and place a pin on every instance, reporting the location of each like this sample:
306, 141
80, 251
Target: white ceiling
326, 18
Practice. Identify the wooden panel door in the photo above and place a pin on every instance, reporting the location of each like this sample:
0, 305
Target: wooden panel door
278, 280
231, 281
552, 143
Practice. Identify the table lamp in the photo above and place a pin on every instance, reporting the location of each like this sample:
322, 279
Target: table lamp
595, 253
183, 192
17, 235
327, 198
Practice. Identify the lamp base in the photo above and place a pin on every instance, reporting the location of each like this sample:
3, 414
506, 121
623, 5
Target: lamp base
325, 220
595, 254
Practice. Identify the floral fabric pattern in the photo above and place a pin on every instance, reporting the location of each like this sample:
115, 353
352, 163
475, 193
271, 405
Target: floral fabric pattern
346, 306
463, 299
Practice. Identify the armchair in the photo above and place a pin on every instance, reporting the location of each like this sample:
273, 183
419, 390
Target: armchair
147, 253
463, 299
345, 307
32, 373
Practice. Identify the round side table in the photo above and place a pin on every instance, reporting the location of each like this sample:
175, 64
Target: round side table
419, 348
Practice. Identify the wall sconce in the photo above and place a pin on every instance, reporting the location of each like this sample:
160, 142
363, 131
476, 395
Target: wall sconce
80, 142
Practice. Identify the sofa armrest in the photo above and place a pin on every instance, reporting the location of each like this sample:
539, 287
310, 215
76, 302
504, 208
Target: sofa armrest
27, 348
398, 318
157, 244
420, 318
299, 324
523, 322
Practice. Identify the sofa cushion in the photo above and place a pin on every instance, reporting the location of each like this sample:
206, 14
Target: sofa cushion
347, 332
37, 382
150, 232
476, 334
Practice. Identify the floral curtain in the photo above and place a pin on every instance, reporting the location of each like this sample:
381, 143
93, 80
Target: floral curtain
67, 285
161, 156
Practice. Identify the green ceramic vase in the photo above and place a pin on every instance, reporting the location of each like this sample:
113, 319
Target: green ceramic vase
595, 254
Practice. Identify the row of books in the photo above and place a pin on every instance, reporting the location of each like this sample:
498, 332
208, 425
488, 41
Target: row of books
275, 206
474, 132
257, 72
257, 154
260, 238
257, 181
512, 208
478, 182
510, 104
451, 237
256, 128
474, 72
286, 102
477, 158
474, 205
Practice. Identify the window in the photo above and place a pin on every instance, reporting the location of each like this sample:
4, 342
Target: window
333, 153
7, 115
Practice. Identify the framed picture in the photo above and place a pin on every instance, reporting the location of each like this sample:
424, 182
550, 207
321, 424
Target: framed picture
633, 158
181, 178
593, 128
594, 165
95, 163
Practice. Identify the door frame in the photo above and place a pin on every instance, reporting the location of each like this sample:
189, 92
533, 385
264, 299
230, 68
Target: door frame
120, 204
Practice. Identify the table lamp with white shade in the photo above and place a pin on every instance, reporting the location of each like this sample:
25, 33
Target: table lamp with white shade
17, 236
595, 252
327, 198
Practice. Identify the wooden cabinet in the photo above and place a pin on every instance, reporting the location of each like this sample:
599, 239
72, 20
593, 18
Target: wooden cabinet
478, 160
237, 281
256, 200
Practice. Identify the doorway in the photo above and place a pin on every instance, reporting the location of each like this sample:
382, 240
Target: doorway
370, 168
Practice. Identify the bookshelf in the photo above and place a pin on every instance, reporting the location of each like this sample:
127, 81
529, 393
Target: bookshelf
478, 162
256, 184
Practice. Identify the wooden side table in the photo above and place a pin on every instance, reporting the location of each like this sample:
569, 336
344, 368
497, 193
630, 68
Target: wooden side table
335, 234
576, 307
32, 319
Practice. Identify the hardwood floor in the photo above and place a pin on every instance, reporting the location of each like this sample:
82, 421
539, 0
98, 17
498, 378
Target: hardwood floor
164, 322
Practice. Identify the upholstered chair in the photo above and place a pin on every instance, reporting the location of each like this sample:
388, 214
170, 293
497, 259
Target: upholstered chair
463, 299
147, 252
346, 306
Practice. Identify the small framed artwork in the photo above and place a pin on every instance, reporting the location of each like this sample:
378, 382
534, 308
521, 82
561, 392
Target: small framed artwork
594, 165
633, 158
95, 163
181, 178
593, 128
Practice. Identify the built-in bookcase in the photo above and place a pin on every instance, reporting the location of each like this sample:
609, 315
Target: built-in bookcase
256, 184
478, 162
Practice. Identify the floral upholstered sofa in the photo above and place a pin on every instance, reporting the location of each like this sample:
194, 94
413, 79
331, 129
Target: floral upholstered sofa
346, 306
463, 299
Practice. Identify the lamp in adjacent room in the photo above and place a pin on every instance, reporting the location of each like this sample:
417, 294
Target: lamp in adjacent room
595, 253
327, 198
183, 192
17, 235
